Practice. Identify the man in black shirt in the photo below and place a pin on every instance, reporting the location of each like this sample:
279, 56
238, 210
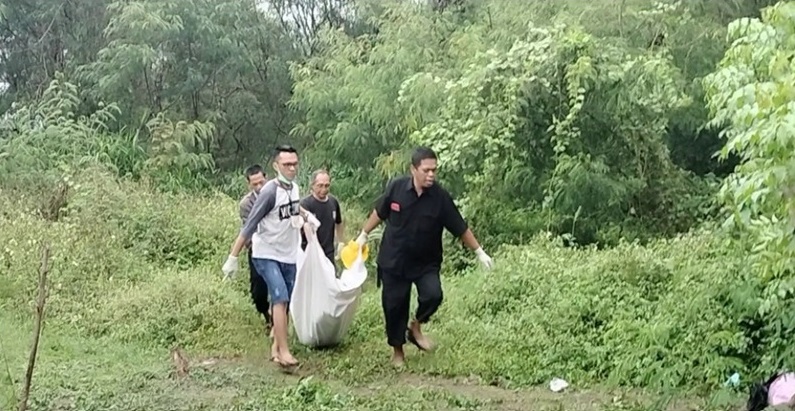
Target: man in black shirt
327, 209
416, 210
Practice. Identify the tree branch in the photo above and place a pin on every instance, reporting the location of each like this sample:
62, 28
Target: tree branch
40, 301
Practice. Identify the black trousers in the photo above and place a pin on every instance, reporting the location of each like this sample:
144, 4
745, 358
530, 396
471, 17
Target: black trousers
259, 291
396, 299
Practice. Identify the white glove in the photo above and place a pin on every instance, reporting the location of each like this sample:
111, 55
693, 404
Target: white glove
484, 258
313, 221
230, 267
361, 239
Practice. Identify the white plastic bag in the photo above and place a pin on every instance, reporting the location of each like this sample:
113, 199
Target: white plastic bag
322, 307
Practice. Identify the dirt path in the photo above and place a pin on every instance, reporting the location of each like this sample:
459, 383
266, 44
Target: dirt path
450, 394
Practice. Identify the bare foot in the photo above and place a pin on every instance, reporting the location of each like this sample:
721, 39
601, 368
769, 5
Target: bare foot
416, 337
274, 352
398, 358
286, 359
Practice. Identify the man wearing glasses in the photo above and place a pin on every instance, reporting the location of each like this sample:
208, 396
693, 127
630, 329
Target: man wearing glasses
327, 209
273, 227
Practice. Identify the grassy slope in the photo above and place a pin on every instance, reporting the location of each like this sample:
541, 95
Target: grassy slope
128, 287
75, 373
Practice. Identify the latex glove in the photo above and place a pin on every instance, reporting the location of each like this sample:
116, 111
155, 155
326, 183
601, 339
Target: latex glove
361, 239
309, 230
313, 221
230, 267
340, 246
484, 258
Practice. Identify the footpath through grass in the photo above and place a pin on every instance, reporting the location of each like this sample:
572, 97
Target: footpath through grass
136, 273
75, 373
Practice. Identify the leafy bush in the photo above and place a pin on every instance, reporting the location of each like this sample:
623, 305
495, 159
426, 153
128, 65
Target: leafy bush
147, 272
117, 256
750, 94
656, 316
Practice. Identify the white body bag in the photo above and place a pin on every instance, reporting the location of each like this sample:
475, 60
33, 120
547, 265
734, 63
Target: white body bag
322, 306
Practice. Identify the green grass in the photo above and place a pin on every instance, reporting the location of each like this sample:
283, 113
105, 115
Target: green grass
619, 325
75, 373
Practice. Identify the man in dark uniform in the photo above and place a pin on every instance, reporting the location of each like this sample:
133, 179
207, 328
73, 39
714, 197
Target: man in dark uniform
327, 209
255, 177
416, 210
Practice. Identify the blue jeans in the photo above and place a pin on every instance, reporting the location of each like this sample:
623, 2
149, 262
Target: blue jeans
279, 277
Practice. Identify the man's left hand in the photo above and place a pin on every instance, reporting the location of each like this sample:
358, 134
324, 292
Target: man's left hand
313, 221
484, 258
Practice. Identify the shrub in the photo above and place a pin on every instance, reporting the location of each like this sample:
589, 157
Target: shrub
118, 263
656, 316
191, 308
675, 312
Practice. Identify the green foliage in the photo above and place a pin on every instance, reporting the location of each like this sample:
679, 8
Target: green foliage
621, 102
113, 253
42, 138
204, 61
554, 127
348, 91
565, 125
751, 94
593, 317
178, 153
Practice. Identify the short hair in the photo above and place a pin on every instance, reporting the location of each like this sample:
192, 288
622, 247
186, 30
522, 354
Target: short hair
252, 170
284, 148
318, 172
422, 153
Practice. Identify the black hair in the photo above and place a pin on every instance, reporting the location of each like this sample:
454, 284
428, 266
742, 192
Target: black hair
757, 394
284, 148
422, 153
252, 170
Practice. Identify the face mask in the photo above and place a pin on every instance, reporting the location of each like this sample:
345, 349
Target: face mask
282, 178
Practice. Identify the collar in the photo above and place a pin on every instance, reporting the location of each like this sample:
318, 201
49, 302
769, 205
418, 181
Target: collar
410, 187
322, 201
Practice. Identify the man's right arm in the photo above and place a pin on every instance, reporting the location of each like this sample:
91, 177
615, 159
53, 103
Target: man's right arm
265, 202
381, 210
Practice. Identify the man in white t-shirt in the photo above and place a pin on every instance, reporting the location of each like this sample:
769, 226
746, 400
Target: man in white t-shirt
273, 227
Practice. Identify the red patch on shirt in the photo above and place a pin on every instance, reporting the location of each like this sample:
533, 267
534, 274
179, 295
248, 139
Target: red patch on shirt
395, 207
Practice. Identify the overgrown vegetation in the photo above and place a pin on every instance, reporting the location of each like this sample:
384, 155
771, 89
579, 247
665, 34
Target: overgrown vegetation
580, 151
